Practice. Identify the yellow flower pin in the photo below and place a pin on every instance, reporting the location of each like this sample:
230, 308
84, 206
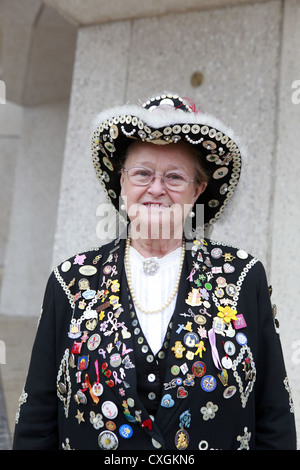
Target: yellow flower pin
227, 314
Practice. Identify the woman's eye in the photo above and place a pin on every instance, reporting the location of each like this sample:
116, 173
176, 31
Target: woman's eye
174, 177
142, 173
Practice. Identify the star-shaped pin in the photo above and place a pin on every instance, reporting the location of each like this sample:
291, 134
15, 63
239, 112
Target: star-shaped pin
79, 417
228, 257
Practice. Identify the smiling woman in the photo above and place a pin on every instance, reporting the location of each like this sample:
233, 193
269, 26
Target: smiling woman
160, 339
160, 183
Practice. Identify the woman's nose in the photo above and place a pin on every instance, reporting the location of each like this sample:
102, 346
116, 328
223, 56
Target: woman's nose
157, 186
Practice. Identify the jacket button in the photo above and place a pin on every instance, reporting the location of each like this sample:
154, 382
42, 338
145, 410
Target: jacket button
151, 378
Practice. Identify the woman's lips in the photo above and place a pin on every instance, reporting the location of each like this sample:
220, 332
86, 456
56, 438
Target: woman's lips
155, 204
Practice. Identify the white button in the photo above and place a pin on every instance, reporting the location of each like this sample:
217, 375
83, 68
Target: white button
151, 377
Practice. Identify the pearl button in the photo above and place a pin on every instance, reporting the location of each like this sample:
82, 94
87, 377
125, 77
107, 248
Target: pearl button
151, 377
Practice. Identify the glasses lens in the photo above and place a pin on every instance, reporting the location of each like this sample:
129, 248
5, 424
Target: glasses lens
140, 176
176, 181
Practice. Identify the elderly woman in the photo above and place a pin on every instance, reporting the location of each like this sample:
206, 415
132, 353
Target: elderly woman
161, 339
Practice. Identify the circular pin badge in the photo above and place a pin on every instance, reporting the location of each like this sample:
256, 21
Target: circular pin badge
107, 440
200, 319
242, 254
208, 383
125, 431
226, 362
115, 360
87, 270
66, 266
199, 368
110, 425
221, 281
231, 290
191, 339
109, 409
229, 348
229, 391
97, 389
241, 339
83, 284
216, 253
80, 398
175, 370
93, 342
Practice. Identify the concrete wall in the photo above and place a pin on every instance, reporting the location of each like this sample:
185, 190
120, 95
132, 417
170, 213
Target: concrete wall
33, 195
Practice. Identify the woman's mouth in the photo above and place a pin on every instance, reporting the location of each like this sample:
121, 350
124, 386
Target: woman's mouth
155, 205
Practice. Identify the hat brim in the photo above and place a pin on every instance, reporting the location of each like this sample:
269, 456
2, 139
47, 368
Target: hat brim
115, 129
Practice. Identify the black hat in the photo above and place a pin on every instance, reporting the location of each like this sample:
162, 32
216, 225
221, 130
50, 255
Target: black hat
163, 120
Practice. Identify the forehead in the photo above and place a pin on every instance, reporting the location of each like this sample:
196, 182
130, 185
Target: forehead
163, 156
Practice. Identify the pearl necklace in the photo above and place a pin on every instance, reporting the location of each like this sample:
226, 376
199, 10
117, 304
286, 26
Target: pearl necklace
128, 272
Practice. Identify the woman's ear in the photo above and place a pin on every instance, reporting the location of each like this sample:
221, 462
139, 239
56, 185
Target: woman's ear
199, 189
122, 183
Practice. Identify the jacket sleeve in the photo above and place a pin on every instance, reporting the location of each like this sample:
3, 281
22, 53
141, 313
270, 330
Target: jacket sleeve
36, 421
275, 424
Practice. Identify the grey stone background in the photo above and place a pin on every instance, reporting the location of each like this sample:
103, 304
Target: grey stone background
64, 61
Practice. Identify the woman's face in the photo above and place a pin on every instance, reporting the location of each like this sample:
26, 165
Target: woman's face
155, 206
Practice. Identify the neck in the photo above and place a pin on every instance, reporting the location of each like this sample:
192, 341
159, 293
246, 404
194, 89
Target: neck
155, 248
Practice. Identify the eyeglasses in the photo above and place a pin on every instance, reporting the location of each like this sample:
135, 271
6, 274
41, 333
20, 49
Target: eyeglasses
173, 180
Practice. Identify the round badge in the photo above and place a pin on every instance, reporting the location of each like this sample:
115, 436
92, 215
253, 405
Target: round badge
115, 360
83, 284
229, 348
130, 402
93, 342
216, 253
241, 338
200, 319
110, 425
109, 409
229, 391
191, 339
175, 370
221, 281
199, 368
231, 290
242, 254
88, 270
97, 389
107, 269
66, 266
107, 440
125, 431
208, 383
80, 398
226, 362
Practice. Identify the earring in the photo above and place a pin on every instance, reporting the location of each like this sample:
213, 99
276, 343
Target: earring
191, 214
122, 207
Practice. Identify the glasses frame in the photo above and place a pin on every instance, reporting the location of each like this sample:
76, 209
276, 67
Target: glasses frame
162, 175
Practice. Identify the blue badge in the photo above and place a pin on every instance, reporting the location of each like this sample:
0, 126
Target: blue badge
125, 431
167, 401
241, 338
208, 383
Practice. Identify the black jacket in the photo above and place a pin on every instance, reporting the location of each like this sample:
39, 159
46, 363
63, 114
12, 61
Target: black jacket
217, 383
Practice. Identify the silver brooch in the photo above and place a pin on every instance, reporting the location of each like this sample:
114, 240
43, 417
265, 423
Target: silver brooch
150, 266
